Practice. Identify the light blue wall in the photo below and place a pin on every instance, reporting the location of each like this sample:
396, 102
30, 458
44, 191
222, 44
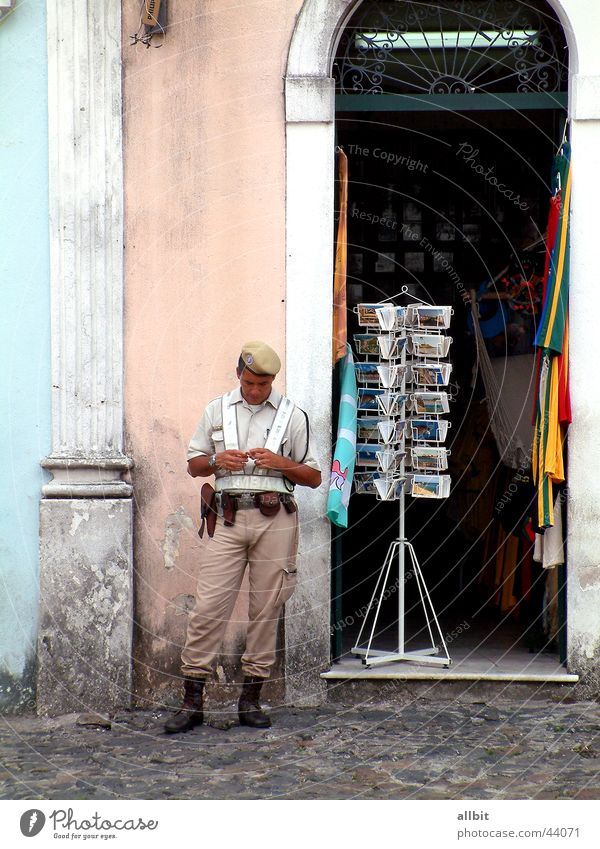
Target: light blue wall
24, 338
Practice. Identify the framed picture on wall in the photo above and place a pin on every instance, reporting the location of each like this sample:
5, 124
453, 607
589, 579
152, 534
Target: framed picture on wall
472, 232
414, 261
412, 232
444, 231
386, 263
442, 259
355, 263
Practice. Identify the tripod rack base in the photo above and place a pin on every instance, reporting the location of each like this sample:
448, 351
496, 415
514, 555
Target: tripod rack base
423, 657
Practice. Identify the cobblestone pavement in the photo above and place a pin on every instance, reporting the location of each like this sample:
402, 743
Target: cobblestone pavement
512, 747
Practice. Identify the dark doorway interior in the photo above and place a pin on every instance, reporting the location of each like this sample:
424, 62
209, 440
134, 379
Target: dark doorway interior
443, 202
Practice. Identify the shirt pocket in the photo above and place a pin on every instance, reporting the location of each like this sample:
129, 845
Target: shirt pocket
218, 440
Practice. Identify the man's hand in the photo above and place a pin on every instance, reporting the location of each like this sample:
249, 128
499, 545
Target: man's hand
232, 460
296, 472
266, 459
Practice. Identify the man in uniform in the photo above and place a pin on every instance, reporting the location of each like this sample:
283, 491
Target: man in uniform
258, 445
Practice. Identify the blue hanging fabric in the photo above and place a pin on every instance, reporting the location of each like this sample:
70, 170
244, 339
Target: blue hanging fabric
344, 455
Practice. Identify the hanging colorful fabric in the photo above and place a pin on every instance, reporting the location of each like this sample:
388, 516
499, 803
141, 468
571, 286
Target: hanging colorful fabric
344, 455
552, 408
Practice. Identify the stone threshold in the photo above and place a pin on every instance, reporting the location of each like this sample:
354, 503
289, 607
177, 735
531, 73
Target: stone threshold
356, 671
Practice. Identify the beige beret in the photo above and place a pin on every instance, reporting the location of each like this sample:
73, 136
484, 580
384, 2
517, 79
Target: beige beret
260, 358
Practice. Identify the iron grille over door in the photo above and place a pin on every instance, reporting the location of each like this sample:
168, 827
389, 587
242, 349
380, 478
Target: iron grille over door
446, 47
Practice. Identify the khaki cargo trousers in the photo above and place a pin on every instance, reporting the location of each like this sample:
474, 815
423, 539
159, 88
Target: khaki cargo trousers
268, 546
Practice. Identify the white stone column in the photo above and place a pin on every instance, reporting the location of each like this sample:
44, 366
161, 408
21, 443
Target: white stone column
583, 542
86, 566
310, 183
309, 227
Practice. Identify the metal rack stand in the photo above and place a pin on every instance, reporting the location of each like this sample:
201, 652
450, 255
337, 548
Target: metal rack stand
436, 654
430, 656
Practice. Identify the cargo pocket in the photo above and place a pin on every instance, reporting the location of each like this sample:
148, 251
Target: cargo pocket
288, 585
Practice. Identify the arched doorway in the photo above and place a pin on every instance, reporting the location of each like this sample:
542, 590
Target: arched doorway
310, 141
450, 114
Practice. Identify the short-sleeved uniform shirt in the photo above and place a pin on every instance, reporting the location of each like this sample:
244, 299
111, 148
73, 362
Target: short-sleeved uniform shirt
253, 423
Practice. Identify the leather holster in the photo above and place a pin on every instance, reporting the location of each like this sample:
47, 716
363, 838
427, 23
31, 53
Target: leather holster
269, 503
229, 505
208, 510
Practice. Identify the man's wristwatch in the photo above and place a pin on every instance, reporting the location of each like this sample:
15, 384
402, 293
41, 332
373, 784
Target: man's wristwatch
212, 461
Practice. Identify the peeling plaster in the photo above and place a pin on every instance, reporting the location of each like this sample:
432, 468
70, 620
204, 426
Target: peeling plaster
182, 604
588, 578
174, 524
78, 518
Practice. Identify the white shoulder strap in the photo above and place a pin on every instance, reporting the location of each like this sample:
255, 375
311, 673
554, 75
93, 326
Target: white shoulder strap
280, 423
230, 431
276, 433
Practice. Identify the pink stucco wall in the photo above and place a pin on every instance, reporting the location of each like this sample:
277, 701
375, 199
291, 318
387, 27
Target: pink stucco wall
204, 148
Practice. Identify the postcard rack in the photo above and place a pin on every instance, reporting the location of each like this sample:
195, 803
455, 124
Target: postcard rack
402, 379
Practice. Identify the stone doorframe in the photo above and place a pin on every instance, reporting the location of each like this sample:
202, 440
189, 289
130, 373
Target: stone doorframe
310, 127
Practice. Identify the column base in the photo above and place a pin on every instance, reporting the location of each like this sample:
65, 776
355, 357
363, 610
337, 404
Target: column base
86, 605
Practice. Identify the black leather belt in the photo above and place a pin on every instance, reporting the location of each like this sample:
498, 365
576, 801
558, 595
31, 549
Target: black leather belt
248, 500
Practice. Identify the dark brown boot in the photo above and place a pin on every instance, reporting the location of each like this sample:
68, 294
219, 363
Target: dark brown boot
191, 713
249, 709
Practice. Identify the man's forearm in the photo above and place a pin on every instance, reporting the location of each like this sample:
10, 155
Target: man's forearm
198, 467
296, 472
303, 475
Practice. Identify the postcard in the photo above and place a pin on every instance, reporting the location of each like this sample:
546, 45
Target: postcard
391, 346
429, 459
367, 373
389, 459
366, 453
429, 316
390, 316
389, 488
367, 343
367, 315
390, 403
429, 430
368, 428
430, 403
431, 374
430, 486
390, 375
364, 483
391, 430
430, 345
367, 398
